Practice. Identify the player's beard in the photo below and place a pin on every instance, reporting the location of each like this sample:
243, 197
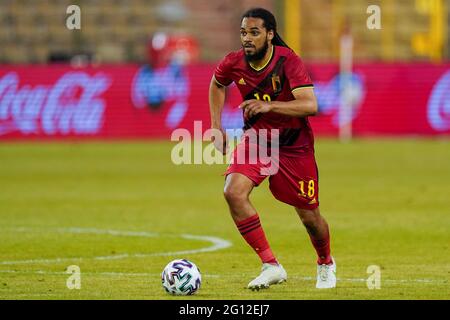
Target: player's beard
259, 54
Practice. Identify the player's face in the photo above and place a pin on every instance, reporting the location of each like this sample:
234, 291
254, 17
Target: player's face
254, 38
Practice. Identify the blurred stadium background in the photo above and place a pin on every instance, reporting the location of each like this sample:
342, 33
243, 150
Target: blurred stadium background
139, 69
118, 31
151, 62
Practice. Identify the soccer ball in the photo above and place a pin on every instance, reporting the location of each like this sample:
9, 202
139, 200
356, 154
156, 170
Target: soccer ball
181, 278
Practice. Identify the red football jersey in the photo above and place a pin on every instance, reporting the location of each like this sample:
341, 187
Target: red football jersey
283, 74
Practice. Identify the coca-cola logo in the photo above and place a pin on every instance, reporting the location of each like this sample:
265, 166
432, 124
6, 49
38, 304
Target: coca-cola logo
439, 104
156, 89
73, 105
350, 90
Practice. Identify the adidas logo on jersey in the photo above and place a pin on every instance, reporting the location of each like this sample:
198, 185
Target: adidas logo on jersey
242, 82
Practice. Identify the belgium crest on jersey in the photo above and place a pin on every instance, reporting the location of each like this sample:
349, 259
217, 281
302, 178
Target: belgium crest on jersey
276, 83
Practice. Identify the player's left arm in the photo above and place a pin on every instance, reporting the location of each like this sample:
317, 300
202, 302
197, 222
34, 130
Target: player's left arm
304, 105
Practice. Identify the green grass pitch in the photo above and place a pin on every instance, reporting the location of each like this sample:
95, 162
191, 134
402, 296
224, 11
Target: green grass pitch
387, 202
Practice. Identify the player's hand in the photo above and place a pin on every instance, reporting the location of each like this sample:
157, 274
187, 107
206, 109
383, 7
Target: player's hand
253, 107
220, 140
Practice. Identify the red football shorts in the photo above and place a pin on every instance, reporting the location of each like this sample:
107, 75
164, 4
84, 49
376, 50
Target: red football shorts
293, 180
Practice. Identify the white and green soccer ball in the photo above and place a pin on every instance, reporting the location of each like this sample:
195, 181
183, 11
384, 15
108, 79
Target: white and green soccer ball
181, 277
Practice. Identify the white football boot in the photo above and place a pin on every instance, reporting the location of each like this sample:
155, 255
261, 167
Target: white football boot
270, 274
326, 276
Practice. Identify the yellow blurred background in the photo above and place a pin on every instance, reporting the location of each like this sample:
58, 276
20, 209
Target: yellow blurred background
118, 30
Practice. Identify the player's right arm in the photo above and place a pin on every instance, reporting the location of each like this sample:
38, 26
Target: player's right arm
216, 101
217, 89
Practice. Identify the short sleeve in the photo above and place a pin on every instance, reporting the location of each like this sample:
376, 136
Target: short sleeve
297, 74
222, 73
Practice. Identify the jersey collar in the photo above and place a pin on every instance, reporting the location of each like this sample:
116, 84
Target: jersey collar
272, 53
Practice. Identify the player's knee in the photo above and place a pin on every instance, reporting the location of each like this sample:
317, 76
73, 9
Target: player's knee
309, 218
308, 221
234, 195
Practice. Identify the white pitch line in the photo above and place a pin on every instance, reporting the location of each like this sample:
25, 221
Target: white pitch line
112, 274
36, 294
217, 244
76, 230
383, 280
151, 275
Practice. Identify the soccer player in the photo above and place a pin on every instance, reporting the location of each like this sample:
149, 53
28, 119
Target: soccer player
278, 94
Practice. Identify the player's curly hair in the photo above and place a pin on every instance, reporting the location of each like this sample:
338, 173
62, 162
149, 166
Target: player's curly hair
269, 23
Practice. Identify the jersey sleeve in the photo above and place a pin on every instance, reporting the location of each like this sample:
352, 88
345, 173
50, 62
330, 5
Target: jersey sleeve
222, 74
297, 74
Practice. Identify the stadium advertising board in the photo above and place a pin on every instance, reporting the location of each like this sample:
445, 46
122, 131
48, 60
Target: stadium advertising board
129, 101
